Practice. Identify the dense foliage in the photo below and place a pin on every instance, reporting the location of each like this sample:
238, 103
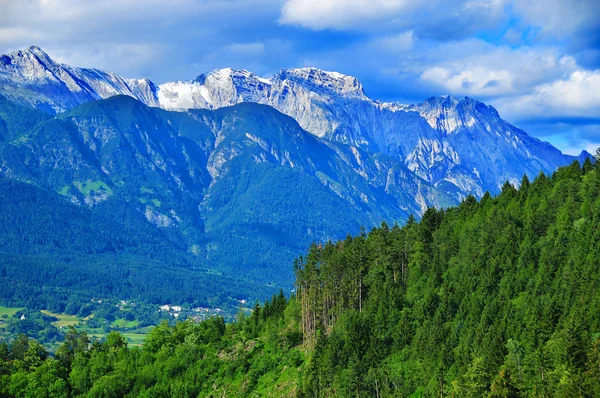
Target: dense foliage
496, 298
255, 355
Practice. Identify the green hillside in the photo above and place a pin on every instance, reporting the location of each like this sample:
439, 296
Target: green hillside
496, 298
16, 120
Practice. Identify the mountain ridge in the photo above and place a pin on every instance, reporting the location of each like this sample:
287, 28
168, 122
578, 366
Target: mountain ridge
450, 141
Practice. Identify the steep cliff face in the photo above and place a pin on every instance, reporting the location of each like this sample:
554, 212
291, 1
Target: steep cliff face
488, 149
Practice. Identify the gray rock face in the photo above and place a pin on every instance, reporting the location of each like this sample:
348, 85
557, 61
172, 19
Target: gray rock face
484, 148
460, 145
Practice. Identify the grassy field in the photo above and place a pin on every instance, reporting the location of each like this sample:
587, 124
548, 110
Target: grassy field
64, 190
63, 320
123, 323
134, 338
9, 311
6, 313
88, 186
134, 335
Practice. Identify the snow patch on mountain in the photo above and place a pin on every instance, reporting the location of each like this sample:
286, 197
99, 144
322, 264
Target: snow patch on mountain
183, 95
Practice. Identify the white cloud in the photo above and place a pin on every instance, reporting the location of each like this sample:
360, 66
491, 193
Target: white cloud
471, 81
396, 42
339, 14
559, 17
235, 55
158, 39
246, 49
103, 55
11, 34
555, 18
474, 76
252, 56
479, 69
577, 96
582, 145
442, 18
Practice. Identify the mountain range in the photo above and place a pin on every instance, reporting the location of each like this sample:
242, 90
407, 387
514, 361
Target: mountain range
444, 140
242, 173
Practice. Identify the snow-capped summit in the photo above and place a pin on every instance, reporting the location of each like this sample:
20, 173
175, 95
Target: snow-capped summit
230, 75
225, 87
216, 89
299, 93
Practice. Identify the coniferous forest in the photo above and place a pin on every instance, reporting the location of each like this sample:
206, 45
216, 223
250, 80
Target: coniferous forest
492, 298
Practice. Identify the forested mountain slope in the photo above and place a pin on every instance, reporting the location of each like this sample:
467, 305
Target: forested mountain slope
249, 171
54, 254
496, 298
243, 189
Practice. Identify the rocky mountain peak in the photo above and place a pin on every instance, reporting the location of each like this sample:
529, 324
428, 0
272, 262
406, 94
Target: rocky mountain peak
28, 63
320, 80
36, 50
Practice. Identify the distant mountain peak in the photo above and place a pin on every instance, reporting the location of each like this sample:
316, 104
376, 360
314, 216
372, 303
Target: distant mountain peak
312, 73
450, 101
31, 76
309, 77
226, 73
215, 89
584, 155
32, 66
33, 53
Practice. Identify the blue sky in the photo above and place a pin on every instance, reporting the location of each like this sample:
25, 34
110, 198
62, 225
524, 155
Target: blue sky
537, 61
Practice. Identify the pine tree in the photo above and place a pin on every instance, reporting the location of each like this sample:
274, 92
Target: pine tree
592, 374
475, 381
503, 387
